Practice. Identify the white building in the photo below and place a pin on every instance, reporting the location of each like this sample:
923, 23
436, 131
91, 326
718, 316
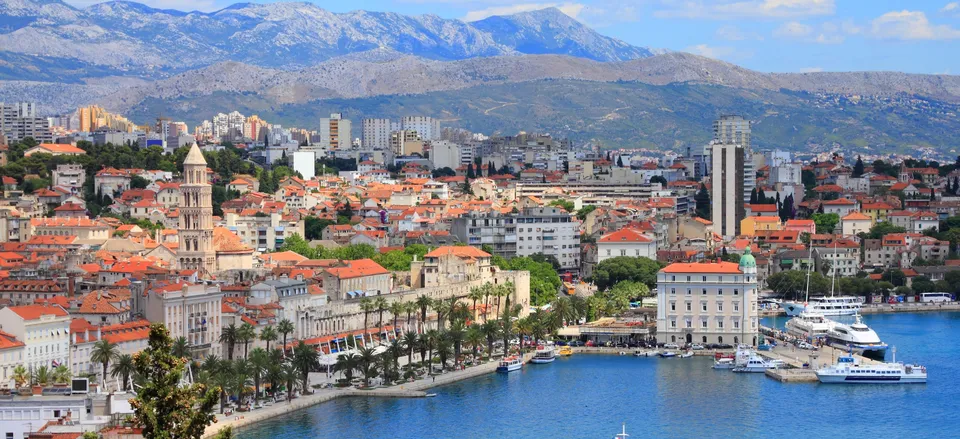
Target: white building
427, 127
11, 356
376, 133
551, 231
626, 242
445, 154
305, 163
191, 311
44, 331
712, 302
228, 124
335, 132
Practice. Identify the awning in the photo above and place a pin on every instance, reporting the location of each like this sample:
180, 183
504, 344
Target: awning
569, 331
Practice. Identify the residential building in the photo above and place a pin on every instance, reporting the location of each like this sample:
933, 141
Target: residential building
11, 356
263, 232
70, 176
335, 132
28, 291
727, 179
44, 331
376, 133
191, 311
492, 228
427, 127
355, 279
752, 225
54, 149
626, 242
855, 223
551, 231
406, 142
713, 302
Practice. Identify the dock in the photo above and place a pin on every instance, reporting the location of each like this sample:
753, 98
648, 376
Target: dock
796, 358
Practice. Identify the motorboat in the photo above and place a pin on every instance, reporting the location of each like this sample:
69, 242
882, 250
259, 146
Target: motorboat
652, 353
809, 324
724, 363
668, 354
848, 370
544, 355
824, 305
687, 354
565, 351
857, 338
510, 364
756, 364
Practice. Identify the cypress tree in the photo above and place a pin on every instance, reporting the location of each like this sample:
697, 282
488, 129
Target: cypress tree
470, 174
753, 196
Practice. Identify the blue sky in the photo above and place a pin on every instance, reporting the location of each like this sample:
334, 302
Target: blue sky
921, 36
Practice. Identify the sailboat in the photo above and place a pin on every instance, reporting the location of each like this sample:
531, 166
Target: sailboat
623, 434
827, 306
810, 323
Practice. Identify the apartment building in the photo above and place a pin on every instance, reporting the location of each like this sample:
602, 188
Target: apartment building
551, 231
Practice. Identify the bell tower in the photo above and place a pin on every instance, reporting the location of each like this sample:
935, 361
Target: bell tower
196, 216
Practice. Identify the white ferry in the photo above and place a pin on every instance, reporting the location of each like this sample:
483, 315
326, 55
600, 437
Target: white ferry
544, 355
510, 364
828, 306
756, 364
809, 324
857, 338
848, 370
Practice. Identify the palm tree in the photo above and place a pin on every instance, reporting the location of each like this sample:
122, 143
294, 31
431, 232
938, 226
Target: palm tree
228, 335
410, 342
579, 306
211, 364
409, 308
524, 327
240, 379
563, 311
396, 309
246, 334
498, 292
423, 342
42, 375
61, 374
346, 364
423, 302
381, 305
181, 347
488, 289
367, 305
305, 357
396, 351
20, 376
474, 338
441, 307
459, 313
123, 368
222, 378
491, 330
289, 374
476, 294
103, 352
268, 334
368, 364
433, 336
259, 363
455, 335
285, 327
444, 349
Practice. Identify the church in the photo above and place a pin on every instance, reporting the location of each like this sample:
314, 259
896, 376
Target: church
202, 246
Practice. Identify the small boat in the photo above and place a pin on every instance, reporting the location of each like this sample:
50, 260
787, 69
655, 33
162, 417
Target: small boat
848, 370
724, 363
623, 434
510, 364
430, 395
668, 354
544, 355
755, 364
621, 353
686, 354
565, 351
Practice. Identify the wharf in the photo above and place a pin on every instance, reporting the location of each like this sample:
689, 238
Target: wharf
796, 358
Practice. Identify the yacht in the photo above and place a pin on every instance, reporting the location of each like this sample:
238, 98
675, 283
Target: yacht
828, 306
848, 370
756, 364
565, 351
724, 363
510, 364
858, 338
809, 324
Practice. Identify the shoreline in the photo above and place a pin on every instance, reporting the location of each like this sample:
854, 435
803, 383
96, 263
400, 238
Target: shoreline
887, 308
416, 389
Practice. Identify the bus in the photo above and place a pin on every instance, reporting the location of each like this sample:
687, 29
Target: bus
936, 297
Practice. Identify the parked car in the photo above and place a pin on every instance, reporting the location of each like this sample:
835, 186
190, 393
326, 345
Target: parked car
697, 347
670, 346
724, 346
576, 343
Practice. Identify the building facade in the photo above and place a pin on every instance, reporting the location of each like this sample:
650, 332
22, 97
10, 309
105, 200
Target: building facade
196, 216
726, 190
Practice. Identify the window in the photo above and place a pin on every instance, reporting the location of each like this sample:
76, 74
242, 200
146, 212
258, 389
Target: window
688, 306
673, 306
689, 291
736, 291
689, 324
673, 278
720, 324
704, 292
673, 291
703, 324
720, 306
703, 306
736, 324
673, 323
720, 292
688, 278
736, 306
704, 278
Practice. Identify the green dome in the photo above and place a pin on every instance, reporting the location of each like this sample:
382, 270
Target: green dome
747, 260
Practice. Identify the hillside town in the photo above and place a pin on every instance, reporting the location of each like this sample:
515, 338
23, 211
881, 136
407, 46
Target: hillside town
247, 233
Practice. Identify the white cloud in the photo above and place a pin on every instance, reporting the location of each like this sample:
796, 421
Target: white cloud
715, 52
733, 33
951, 7
571, 9
910, 25
793, 30
850, 28
725, 10
811, 69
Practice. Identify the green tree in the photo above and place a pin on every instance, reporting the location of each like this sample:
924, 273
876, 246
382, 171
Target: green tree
268, 334
584, 211
702, 199
181, 347
163, 407
138, 182
610, 272
825, 222
123, 368
229, 335
313, 227
245, 334
565, 204
104, 352
305, 359
285, 327
858, 168
883, 228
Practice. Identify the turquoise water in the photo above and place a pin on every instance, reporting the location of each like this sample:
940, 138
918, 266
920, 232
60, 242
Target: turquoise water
589, 396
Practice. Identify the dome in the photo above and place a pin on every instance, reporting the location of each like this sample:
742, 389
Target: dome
747, 260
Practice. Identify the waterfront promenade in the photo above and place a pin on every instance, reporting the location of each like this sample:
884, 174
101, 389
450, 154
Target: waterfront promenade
414, 389
885, 308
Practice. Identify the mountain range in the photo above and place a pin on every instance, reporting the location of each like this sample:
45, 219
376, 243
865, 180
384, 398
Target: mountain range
539, 70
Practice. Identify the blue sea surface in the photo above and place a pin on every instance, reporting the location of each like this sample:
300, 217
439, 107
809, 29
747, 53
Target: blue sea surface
589, 396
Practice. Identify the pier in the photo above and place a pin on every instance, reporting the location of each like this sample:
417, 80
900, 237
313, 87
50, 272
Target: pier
796, 358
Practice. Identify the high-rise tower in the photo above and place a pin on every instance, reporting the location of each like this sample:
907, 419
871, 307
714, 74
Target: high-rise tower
196, 216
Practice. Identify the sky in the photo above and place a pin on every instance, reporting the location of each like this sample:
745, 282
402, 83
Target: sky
916, 36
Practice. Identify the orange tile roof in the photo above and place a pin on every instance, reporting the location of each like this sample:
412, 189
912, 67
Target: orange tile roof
461, 251
625, 235
33, 312
762, 207
61, 148
856, 216
840, 202
705, 268
358, 268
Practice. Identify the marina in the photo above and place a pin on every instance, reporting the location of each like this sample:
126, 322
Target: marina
583, 383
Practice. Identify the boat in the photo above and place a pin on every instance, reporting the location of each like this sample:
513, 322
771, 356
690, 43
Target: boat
724, 363
755, 364
848, 370
623, 434
824, 305
565, 351
544, 355
857, 338
645, 353
809, 324
510, 364
687, 354
668, 354
430, 395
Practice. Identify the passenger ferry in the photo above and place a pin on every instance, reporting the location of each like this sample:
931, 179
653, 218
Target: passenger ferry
510, 364
565, 351
809, 324
828, 306
857, 338
544, 355
848, 370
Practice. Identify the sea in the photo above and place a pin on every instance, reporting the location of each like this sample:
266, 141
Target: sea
592, 396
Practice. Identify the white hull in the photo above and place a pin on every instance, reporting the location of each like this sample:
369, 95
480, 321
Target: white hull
794, 309
848, 379
509, 368
748, 369
543, 360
